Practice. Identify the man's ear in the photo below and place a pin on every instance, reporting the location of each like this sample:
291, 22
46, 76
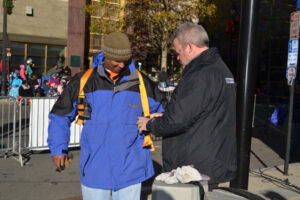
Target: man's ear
190, 47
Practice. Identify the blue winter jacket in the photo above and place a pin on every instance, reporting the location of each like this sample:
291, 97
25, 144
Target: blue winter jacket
112, 154
14, 86
29, 70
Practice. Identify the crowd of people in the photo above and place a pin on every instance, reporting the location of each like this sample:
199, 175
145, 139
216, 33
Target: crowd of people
23, 83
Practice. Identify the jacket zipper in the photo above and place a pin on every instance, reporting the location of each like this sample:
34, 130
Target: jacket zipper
108, 127
87, 160
114, 88
146, 168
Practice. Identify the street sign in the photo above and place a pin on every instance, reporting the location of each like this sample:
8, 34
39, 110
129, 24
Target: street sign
75, 61
294, 26
295, 16
291, 72
292, 60
293, 47
294, 30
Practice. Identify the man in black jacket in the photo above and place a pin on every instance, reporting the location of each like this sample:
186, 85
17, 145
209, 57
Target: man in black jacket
198, 126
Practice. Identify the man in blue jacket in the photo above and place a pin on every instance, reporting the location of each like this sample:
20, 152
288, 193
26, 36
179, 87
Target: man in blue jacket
113, 161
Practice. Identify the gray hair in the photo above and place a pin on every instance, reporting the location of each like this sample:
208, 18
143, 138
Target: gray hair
191, 33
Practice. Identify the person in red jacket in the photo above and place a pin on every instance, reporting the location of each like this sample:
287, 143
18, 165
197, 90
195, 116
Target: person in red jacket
54, 80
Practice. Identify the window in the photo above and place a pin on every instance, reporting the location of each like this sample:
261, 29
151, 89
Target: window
55, 51
18, 55
96, 41
55, 55
103, 20
39, 61
15, 61
37, 53
17, 48
35, 50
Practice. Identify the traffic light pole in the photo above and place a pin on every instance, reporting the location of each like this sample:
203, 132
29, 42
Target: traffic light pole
245, 89
3, 77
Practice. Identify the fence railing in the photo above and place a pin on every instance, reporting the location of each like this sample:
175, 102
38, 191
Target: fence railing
24, 125
8, 135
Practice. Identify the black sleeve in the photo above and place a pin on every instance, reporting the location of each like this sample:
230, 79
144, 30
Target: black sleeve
21, 91
30, 93
190, 100
64, 103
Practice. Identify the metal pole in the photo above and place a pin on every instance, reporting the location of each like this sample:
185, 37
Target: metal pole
289, 133
3, 77
269, 69
253, 115
245, 89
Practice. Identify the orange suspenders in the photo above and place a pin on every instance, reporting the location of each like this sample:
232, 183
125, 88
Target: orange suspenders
84, 109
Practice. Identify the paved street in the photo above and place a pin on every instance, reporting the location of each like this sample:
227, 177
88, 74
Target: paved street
38, 179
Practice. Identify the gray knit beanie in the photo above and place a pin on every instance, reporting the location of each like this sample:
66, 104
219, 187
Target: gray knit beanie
116, 46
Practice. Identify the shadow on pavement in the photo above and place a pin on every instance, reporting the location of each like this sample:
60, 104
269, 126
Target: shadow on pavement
275, 140
274, 195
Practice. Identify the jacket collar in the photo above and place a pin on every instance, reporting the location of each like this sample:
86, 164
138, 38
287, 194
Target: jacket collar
203, 57
128, 73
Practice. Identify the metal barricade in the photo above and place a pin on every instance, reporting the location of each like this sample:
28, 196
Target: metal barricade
10, 138
38, 128
24, 126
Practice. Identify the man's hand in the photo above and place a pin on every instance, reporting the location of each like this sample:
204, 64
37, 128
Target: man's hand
141, 124
142, 121
155, 115
59, 162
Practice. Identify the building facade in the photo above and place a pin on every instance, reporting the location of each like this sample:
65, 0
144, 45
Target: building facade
54, 32
37, 29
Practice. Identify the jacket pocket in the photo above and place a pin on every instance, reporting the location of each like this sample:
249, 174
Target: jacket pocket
86, 162
133, 111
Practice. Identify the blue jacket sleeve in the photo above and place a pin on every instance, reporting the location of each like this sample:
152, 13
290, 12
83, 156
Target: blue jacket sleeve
58, 134
62, 114
155, 106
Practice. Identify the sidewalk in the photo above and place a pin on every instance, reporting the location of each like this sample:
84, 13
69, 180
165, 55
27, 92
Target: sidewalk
272, 184
38, 179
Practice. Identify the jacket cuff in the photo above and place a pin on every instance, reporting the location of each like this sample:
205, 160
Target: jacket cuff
61, 151
148, 125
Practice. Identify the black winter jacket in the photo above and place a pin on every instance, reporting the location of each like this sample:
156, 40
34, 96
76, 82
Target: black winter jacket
198, 126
